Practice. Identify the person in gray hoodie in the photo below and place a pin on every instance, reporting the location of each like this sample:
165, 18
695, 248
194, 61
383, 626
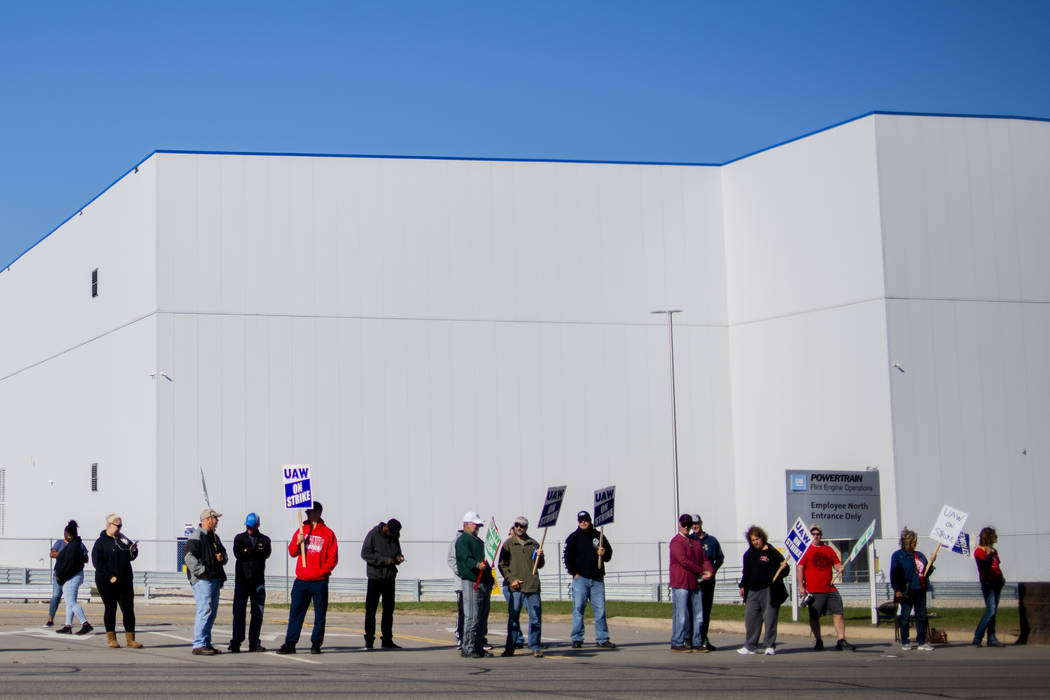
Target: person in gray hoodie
381, 551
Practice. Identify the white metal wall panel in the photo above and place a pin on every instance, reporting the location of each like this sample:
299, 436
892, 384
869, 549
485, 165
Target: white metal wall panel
802, 225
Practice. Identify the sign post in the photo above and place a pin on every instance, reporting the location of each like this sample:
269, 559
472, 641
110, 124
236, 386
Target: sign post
549, 516
796, 543
604, 500
297, 495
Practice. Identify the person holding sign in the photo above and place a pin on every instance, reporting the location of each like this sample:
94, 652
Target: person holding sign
584, 549
992, 582
381, 551
689, 564
815, 570
516, 561
476, 582
763, 591
311, 578
909, 574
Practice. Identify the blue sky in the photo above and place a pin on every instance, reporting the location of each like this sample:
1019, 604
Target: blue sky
89, 89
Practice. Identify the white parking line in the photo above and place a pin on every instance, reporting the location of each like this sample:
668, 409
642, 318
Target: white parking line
292, 657
172, 636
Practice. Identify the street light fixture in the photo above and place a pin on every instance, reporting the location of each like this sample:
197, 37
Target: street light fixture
674, 407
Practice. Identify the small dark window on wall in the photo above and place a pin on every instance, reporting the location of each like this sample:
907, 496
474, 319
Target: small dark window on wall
94, 476
94, 283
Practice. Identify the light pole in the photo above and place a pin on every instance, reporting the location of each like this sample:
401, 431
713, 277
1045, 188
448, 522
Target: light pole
674, 407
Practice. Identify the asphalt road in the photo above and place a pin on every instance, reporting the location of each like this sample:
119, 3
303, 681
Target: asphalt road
34, 661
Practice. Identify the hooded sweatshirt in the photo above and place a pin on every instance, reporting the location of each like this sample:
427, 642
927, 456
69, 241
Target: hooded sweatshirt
380, 552
581, 553
322, 552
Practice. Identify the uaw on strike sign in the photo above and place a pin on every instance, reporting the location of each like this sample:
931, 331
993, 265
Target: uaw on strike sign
297, 493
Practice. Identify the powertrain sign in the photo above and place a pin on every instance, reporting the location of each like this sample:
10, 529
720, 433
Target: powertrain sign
842, 503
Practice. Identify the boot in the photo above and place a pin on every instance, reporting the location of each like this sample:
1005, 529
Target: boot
111, 639
130, 641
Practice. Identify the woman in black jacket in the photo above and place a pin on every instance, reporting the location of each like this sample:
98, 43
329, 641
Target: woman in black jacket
69, 572
762, 588
112, 556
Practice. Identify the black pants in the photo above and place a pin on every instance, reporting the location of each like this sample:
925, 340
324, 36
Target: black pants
707, 599
121, 593
242, 593
379, 588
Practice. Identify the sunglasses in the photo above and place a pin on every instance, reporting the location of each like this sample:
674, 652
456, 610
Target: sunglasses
816, 533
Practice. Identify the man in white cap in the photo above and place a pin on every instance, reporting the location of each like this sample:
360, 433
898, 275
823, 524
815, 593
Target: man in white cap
205, 556
476, 582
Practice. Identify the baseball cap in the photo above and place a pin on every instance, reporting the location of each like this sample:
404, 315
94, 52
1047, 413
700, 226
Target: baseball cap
521, 520
472, 517
317, 507
583, 515
697, 518
685, 520
252, 520
209, 513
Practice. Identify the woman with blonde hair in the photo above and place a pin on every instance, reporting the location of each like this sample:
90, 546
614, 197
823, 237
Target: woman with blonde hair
112, 556
909, 576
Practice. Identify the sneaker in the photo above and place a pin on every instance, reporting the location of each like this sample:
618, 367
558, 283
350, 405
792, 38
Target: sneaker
538, 654
577, 645
315, 650
924, 647
770, 651
84, 628
234, 648
606, 645
819, 646
508, 652
708, 646
64, 630
681, 648
203, 651
49, 623
976, 643
744, 651
905, 646
843, 645
482, 654
213, 649
286, 649
701, 649
257, 647
487, 647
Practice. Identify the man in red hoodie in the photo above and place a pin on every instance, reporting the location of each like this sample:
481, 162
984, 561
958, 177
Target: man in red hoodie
311, 579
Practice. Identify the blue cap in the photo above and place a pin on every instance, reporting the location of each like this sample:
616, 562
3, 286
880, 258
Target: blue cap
252, 520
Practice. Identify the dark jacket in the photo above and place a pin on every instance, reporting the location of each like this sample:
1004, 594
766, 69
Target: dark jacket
380, 553
70, 561
760, 566
470, 551
581, 553
712, 549
112, 557
904, 575
200, 559
516, 560
250, 569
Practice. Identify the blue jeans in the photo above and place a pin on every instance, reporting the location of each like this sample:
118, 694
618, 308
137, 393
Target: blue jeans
991, 604
56, 598
69, 590
688, 616
206, 595
582, 590
513, 619
533, 607
302, 593
918, 601
242, 593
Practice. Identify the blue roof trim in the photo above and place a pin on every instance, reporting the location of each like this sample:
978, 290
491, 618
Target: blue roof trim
519, 160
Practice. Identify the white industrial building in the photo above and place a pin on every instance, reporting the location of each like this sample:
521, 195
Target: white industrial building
442, 335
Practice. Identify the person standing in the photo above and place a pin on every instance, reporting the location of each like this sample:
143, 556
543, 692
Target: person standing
251, 549
381, 551
459, 589
112, 556
584, 548
815, 570
69, 573
713, 551
990, 572
311, 578
521, 585
689, 565
205, 558
476, 581
909, 574
762, 588
56, 587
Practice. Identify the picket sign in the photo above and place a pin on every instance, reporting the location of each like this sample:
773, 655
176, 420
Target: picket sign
549, 517
298, 494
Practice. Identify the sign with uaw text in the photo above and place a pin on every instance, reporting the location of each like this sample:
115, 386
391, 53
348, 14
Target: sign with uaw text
551, 506
842, 503
603, 505
948, 526
297, 493
798, 540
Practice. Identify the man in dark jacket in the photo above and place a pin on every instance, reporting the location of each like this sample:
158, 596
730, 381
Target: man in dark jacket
584, 548
476, 582
713, 552
517, 559
205, 556
381, 551
251, 549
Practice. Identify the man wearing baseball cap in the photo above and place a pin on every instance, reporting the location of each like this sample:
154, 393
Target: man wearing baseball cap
251, 549
381, 551
522, 587
204, 558
311, 578
583, 549
476, 582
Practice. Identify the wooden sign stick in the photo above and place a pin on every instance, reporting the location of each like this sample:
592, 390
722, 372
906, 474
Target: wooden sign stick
783, 565
601, 539
302, 545
536, 562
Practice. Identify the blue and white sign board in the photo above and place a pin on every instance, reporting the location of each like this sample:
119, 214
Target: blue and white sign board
551, 506
297, 493
603, 505
798, 540
962, 544
948, 526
